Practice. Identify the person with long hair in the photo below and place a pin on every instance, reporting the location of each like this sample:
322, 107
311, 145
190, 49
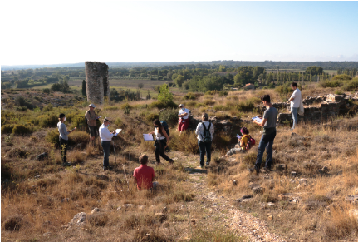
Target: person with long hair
161, 142
63, 138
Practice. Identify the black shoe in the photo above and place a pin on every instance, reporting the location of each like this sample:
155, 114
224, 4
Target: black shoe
254, 169
207, 163
66, 164
171, 161
105, 168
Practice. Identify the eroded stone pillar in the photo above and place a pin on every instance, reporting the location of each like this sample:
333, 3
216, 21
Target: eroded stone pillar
97, 83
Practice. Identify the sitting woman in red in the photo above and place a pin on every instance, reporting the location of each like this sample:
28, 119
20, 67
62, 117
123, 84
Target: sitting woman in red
144, 175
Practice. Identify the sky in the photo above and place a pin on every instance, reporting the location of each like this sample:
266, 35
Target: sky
53, 32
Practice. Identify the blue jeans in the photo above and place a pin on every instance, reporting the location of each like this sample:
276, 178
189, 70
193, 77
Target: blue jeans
204, 146
294, 117
265, 142
106, 150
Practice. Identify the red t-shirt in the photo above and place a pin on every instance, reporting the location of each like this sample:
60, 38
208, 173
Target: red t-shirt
144, 175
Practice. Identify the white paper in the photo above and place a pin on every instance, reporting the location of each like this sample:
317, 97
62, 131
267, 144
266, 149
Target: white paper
257, 119
117, 132
148, 137
239, 137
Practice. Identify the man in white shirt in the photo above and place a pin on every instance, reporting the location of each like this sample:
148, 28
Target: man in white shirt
106, 137
295, 100
183, 118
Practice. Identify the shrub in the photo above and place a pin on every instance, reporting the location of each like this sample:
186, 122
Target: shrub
351, 85
47, 120
151, 117
209, 103
110, 108
221, 108
53, 137
118, 122
170, 116
20, 108
161, 105
338, 92
6, 129
190, 96
47, 108
212, 93
190, 103
342, 77
185, 142
223, 93
46, 90
21, 130
78, 121
330, 83
77, 138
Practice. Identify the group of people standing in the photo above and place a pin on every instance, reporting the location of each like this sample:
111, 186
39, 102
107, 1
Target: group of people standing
204, 132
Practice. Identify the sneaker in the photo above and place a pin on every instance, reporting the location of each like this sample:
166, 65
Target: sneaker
171, 161
207, 163
66, 164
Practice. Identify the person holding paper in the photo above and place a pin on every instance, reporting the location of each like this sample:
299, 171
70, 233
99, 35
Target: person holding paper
183, 118
106, 137
268, 134
91, 118
295, 100
161, 141
242, 142
63, 138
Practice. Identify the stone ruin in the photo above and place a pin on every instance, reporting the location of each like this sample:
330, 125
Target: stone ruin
317, 110
97, 83
320, 109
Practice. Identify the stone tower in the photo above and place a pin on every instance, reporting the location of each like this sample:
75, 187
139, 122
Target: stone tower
97, 83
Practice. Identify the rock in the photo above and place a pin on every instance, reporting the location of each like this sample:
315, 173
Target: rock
303, 181
95, 210
79, 219
281, 167
269, 217
141, 207
294, 173
234, 182
161, 217
352, 198
42, 156
324, 170
46, 234
247, 196
193, 222
354, 213
102, 177
165, 210
258, 190
270, 204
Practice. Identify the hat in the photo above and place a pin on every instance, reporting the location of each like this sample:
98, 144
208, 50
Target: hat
107, 119
181, 105
92, 105
62, 115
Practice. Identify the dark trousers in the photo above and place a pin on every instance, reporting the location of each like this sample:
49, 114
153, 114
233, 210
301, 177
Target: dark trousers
204, 146
265, 142
63, 147
159, 150
106, 150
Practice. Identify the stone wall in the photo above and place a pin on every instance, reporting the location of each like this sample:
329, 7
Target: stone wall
328, 107
97, 83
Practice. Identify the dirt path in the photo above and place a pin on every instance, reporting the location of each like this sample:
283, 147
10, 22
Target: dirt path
221, 209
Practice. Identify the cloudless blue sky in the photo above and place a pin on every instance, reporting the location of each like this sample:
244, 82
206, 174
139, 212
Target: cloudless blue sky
46, 32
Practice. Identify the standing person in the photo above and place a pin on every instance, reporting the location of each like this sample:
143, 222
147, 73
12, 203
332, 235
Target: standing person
268, 135
63, 138
91, 117
144, 175
295, 100
106, 137
205, 132
161, 142
183, 118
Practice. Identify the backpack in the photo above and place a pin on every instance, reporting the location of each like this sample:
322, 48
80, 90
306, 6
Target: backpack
165, 126
251, 142
207, 134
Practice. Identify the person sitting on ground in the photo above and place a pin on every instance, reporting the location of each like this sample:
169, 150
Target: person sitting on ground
242, 145
63, 138
161, 142
144, 175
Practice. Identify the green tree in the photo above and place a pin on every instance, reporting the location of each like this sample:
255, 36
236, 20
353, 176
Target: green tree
179, 80
222, 68
164, 95
84, 88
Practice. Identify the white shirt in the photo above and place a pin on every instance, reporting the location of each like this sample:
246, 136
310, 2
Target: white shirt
184, 111
105, 134
158, 135
297, 95
200, 130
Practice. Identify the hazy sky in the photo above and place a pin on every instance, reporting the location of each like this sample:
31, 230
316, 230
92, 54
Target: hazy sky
49, 32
